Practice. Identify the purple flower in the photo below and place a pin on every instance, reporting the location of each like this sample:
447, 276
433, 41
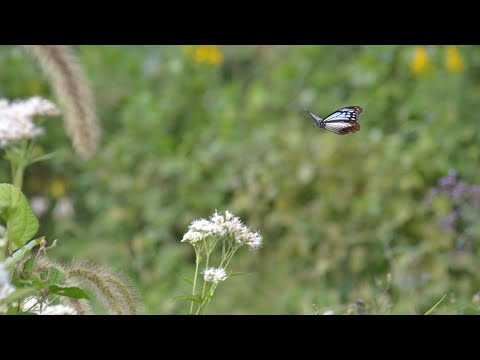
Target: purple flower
449, 181
460, 191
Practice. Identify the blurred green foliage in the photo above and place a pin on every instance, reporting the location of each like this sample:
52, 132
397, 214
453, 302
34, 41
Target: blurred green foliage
186, 132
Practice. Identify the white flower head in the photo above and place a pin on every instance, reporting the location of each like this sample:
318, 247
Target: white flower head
16, 118
227, 225
214, 275
193, 236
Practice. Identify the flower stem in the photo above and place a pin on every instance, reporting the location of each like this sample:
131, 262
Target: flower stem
18, 176
197, 263
19, 163
226, 257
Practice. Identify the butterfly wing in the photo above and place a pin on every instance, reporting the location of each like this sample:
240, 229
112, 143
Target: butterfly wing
343, 121
342, 127
349, 113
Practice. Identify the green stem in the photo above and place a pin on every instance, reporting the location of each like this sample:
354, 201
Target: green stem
18, 168
228, 257
197, 263
204, 282
11, 261
18, 177
434, 306
12, 169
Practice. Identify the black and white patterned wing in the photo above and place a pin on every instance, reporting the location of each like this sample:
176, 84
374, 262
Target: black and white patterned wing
343, 121
349, 113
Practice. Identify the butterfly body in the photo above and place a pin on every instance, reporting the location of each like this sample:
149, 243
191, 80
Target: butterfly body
342, 122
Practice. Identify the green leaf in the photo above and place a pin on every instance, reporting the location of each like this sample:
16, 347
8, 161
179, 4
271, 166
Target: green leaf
21, 223
11, 261
37, 282
70, 291
53, 276
28, 266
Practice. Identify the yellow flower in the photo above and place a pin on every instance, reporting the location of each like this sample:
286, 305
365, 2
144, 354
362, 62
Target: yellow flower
210, 54
453, 60
57, 188
420, 60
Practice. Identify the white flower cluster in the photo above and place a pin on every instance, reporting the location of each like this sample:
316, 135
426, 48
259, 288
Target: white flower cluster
16, 118
214, 275
33, 305
6, 288
226, 225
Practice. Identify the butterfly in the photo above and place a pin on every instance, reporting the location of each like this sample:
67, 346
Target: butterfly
342, 122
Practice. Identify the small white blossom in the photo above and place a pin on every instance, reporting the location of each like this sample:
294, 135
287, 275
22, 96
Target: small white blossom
214, 275
40, 205
227, 225
209, 228
328, 312
16, 118
63, 209
192, 236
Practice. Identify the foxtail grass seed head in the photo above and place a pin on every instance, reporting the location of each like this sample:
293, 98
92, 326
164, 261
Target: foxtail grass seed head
214, 275
114, 290
227, 225
70, 84
16, 118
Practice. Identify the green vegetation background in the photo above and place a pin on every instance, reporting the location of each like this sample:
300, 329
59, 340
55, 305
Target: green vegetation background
184, 135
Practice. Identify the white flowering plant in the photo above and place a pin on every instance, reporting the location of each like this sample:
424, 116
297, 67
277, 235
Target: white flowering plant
221, 235
30, 283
